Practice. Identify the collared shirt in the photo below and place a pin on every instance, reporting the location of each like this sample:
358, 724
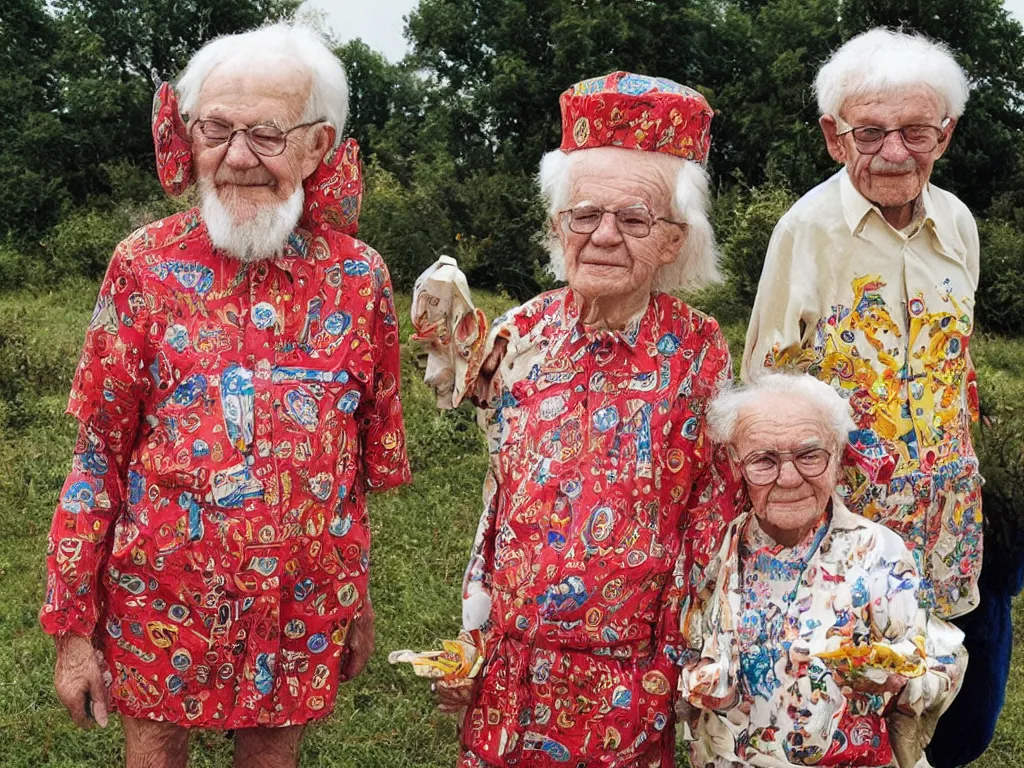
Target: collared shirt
212, 536
885, 318
764, 693
603, 503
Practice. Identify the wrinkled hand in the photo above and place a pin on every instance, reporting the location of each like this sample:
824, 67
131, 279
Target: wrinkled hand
78, 673
894, 683
361, 640
487, 371
452, 696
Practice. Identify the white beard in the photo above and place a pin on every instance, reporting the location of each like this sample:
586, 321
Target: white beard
261, 237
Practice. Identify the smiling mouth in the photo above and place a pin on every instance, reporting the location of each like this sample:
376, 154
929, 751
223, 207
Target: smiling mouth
603, 263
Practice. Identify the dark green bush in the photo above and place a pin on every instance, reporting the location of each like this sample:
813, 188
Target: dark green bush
999, 302
744, 222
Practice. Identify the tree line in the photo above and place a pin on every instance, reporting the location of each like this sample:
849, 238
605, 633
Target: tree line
452, 134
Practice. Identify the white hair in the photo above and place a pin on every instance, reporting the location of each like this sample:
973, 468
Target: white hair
695, 266
260, 237
882, 62
328, 98
728, 406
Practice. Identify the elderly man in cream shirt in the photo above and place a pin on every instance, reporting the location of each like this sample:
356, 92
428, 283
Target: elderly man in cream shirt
869, 285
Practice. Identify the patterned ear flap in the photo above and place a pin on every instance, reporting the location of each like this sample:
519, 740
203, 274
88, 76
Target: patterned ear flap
170, 138
334, 191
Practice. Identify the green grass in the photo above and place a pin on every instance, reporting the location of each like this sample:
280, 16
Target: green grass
422, 535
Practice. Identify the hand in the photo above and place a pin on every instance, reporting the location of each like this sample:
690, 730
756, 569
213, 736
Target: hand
487, 370
361, 639
453, 695
893, 683
77, 675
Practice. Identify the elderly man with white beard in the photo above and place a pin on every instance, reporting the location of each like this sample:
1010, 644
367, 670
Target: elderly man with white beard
237, 397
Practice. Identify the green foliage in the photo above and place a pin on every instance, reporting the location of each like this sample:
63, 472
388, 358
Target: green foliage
999, 301
745, 220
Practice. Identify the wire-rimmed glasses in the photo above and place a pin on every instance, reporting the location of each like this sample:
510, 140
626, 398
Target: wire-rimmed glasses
263, 139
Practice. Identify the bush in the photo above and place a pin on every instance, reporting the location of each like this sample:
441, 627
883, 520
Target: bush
407, 225
999, 303
744, 222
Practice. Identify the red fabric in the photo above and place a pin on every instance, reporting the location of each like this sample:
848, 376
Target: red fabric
212, 536
171, 141
636, 112
333, 192
604, 470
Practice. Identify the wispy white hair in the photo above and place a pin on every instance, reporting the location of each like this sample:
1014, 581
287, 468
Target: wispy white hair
882, 62
766, 390
697, 262
328, 98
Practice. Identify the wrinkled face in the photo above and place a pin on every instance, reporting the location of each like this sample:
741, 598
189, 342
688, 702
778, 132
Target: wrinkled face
894, 176
275, 93
787, 423
607, 263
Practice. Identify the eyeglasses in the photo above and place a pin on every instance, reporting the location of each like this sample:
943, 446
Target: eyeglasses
265, 140
634, 220
764, 467
917, 138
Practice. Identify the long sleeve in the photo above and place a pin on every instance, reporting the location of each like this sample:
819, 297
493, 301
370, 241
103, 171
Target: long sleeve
781, 312
109, 388
384, 457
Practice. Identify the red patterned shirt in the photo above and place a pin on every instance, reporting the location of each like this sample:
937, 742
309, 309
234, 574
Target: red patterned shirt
604, 503
212, 536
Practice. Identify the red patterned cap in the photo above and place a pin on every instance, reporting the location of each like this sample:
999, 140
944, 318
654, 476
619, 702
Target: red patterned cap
636, 112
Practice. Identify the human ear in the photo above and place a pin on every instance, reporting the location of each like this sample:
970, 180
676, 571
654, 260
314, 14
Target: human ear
317, 147
944, 142
675, 243
836, 148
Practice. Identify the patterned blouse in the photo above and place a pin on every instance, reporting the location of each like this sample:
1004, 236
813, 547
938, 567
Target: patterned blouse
603, 505
212, 535
767, 697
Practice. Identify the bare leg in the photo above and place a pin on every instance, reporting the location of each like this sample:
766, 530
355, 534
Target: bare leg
149, 744
268, 747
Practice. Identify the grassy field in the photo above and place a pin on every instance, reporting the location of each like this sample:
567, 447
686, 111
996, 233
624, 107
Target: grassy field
422, 535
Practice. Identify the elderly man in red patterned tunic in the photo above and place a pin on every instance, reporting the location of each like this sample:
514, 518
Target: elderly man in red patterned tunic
604, 498
237, 397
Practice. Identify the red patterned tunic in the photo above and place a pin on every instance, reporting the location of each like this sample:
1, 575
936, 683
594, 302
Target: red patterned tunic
212, 535
604, 503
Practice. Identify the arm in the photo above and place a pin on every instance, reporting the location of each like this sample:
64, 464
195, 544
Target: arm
777, 321
385, 464
713, 500
109, 388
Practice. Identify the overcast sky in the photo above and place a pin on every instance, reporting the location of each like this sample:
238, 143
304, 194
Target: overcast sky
379, 22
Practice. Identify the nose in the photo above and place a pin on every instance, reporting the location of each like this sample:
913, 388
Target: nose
893, 149
788, 476
607, 234
240, 156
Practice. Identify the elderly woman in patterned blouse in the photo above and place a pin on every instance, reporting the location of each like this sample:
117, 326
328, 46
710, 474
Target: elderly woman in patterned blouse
815, 649
602, 502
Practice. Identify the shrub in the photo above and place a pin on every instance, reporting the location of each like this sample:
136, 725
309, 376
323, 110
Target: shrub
999, 302
745, 223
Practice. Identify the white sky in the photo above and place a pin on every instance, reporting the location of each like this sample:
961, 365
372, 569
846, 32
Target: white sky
379, 22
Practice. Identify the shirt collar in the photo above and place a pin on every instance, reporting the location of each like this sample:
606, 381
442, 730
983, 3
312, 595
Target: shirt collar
638, 326
856, 208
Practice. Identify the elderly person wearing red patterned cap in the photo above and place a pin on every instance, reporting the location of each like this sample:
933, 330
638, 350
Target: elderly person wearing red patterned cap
604, 497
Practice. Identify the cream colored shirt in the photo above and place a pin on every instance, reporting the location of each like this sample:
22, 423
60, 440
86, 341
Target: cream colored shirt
885, 318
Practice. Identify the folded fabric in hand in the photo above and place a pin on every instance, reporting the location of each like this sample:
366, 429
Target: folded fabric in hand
450, 328
461, 659
859, 659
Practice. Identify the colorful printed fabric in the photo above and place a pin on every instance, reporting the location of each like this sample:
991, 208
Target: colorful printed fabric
212, 536
764, 694
603, 505
885, 318
636, 112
